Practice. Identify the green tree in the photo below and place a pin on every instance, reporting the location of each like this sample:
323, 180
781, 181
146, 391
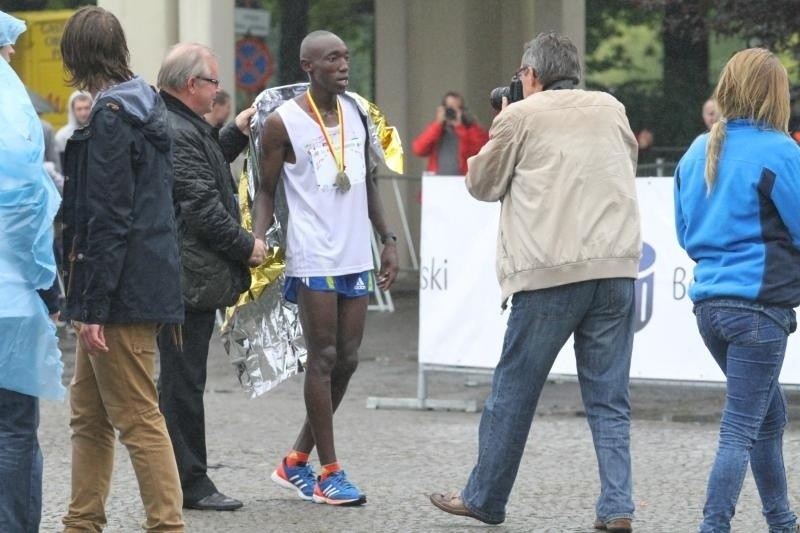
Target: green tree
687, 27
294, 26
772, 24
607, 20
624, 57
665, 100
685, 83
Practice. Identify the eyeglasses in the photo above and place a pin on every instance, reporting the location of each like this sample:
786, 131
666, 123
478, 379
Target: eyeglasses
209, 80
521, 71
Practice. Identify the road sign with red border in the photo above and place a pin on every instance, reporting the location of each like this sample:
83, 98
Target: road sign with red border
254, 64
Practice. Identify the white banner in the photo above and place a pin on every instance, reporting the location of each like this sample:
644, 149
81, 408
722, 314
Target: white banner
460, 320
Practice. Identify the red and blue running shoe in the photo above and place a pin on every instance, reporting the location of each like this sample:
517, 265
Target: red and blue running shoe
300, 478
336, 489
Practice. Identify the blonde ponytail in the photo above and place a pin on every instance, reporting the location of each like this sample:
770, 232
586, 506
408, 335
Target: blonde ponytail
753, 85
713, 151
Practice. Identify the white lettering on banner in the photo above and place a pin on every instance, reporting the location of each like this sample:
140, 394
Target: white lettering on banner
460, 320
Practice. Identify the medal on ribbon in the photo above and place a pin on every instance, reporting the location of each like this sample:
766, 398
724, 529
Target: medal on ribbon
342, 180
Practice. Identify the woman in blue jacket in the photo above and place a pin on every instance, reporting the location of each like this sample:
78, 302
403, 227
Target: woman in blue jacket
737, 211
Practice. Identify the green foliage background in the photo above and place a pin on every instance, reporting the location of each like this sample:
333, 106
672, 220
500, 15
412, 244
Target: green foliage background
626, 55
654, 55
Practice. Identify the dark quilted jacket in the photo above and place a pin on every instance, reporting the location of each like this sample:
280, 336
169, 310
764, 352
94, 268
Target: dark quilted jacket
214, 246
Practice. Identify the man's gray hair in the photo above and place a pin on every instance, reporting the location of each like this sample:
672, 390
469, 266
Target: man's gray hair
553, 57
184, 61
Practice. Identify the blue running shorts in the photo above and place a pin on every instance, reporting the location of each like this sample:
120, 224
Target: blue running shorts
347, 285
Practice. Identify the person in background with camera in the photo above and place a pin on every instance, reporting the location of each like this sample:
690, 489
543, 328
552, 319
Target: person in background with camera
449, 140
562, 163
737, 215
215, 253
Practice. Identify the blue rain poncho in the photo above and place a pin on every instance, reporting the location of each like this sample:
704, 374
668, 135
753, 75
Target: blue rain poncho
30, 361
10, 29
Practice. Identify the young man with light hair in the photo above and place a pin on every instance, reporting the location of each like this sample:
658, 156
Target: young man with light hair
79, 107
122, 273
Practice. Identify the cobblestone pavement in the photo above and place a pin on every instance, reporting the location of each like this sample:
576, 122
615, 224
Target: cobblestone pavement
397, 457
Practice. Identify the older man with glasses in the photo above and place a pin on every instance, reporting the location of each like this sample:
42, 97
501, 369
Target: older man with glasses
215, 253
562, 162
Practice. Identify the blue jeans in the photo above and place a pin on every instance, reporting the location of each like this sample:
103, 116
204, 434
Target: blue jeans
600, 313
20, 463
748, 342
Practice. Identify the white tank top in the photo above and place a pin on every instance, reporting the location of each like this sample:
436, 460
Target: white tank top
329, 231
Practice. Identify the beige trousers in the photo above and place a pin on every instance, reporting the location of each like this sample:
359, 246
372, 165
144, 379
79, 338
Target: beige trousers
115, 390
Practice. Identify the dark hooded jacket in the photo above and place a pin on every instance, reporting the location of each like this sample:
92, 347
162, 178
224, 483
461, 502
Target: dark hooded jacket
214, 246
121, 259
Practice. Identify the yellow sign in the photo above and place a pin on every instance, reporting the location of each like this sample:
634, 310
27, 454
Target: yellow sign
38, 60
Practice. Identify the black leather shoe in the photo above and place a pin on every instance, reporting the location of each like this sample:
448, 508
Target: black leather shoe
214, 502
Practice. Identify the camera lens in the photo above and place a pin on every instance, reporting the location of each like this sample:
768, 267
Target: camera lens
496, 97
450, 113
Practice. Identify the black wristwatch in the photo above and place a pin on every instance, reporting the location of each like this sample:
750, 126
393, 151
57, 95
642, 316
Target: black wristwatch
388, 235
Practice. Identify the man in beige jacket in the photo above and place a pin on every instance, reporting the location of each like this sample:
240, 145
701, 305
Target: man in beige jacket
562, 161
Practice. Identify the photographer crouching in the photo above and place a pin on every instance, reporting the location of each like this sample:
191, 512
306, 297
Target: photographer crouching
562, 162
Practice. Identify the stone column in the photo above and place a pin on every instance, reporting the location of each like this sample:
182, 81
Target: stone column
151, 27
210, 22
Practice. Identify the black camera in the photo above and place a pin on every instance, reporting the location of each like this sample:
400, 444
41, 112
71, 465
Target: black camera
513, 92
449, 113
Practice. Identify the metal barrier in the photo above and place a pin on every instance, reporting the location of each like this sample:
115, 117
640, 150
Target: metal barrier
659, 169
660, 161
383, 299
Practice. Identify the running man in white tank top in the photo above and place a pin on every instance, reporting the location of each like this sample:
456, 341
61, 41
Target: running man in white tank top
318, 141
